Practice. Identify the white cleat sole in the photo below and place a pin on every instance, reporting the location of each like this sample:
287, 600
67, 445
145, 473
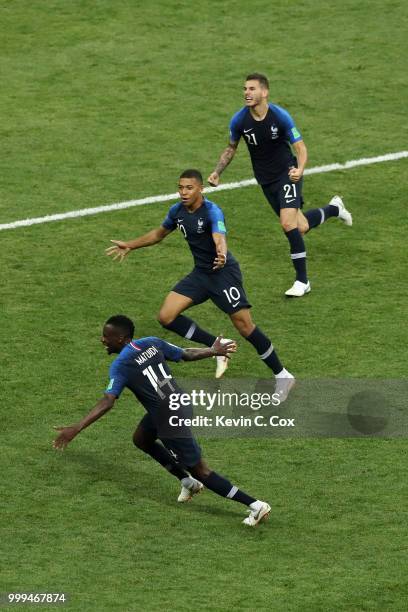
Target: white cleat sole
344, 214
222, 362
222, 365
283, 387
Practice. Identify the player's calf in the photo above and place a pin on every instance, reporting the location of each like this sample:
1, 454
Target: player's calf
145, 442
223, 487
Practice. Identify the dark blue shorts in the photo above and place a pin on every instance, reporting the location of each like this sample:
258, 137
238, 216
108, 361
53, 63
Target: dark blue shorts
283, 193
185, 449
223, 287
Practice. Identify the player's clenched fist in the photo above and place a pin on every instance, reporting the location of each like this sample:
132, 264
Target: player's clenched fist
295, 174
214, 179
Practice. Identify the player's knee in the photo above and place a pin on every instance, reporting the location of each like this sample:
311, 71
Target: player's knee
288, 225
303, 228
200, 471
164, 318
244, 327
140, 442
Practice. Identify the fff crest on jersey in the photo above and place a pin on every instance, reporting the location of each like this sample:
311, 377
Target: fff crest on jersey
274, 132
200, 226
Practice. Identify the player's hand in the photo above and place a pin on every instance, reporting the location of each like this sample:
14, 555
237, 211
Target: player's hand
67, 434
224, 348
220, 261
295, 174
214, 179
118, 251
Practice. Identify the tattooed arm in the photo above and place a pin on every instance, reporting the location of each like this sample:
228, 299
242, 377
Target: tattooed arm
225, 159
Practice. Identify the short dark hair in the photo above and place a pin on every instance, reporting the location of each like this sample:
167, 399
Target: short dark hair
124, 324
192, 173
261, 78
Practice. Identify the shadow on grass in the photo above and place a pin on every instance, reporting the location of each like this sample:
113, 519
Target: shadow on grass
137, 480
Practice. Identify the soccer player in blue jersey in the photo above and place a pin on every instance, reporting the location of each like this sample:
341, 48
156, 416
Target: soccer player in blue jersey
142, 367
272, 139
216, 276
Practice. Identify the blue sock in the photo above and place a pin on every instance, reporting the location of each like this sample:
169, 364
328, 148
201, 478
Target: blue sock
183, 326
265, 350
223, 487
317, 216
297, 254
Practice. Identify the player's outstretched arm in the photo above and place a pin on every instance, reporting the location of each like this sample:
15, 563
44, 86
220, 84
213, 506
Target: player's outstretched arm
67, 434
121, 249
225, 159
221, 247
216, 350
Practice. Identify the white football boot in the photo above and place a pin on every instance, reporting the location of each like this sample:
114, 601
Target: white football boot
189, 487
298, 289
284, 383
258, 511
222, 362
344, 214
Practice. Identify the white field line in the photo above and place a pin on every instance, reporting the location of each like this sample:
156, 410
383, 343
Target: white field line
84, 212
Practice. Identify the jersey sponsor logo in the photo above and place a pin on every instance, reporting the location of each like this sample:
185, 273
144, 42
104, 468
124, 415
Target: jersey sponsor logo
110, 386
245, 131
150, 352
274, 132
221, 226
200, 226
295, 132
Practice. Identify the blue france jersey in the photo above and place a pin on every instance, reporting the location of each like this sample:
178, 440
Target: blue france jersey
268, 141
197, 228
141, 367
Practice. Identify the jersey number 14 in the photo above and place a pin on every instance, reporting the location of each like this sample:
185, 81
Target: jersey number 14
156, 382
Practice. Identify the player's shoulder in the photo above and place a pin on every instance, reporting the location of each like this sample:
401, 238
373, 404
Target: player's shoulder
175, 208
212, 207
169, 350
239, 116
118, 363
146, 342
280, 112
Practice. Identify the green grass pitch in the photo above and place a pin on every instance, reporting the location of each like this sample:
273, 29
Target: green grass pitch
102, 102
